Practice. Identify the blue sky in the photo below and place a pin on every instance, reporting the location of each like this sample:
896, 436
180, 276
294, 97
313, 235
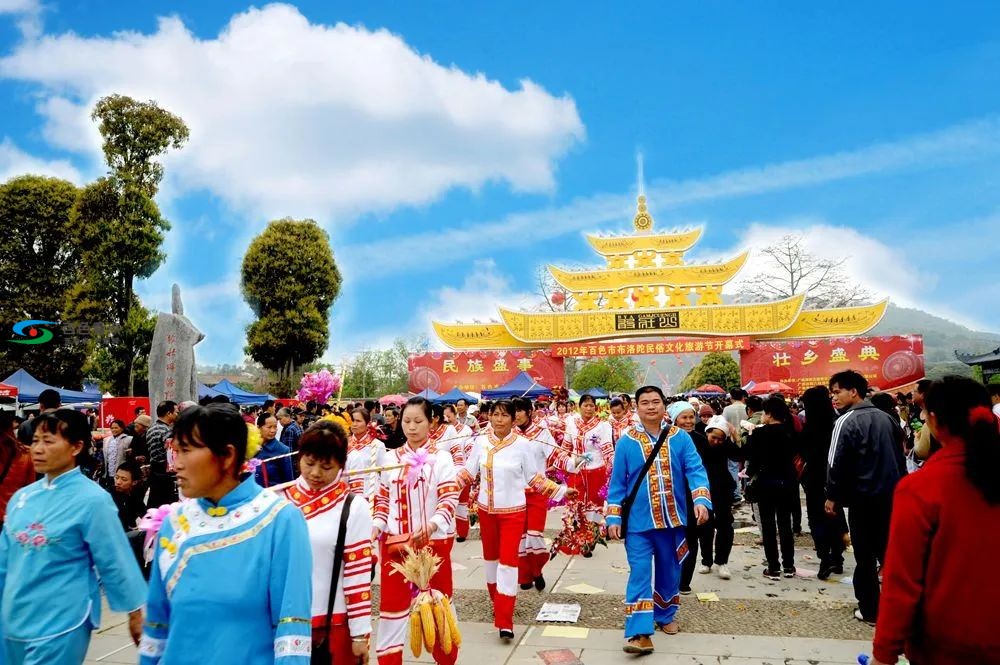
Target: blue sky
450, 149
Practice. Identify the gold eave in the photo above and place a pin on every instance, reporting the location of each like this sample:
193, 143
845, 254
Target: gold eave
834, 322
657, 242
466, 336
759, 320
715, 274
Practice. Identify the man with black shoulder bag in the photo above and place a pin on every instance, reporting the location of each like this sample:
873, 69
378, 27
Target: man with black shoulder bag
646, 506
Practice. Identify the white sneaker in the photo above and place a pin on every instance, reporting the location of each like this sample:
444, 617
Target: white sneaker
704, 570
724, 572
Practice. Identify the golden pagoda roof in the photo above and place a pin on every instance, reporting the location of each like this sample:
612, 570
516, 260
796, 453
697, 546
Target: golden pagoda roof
656, 242
706, 274
834, 322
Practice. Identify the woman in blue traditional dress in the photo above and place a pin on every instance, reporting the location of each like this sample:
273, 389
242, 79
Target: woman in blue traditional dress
231, 582
61, 543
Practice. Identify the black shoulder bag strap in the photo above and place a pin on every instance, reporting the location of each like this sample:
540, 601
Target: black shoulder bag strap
630, 499
338, 559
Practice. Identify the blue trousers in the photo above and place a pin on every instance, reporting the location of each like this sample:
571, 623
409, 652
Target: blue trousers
67, 649
653, 591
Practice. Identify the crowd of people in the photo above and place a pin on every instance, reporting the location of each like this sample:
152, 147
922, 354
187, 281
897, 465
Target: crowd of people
269, 524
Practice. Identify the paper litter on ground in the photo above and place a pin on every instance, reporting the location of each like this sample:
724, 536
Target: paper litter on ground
559, 612
708, 597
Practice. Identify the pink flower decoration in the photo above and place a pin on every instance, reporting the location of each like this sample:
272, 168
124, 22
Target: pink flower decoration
39, 540
252, 465
415, 462
153, 520
318, 386
22, 538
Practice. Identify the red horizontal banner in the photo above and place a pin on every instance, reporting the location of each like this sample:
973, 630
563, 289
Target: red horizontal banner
475, 371
887, 362
637, 348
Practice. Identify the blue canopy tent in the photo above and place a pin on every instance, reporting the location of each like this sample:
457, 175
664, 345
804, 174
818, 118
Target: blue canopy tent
596, 393
454, 395
204, 391
29, 388
521, 385
427, 393
239, 396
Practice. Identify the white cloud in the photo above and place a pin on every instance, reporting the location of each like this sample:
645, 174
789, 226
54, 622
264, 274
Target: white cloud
293, 118
28, 15
15, 162
483, 289
958, 143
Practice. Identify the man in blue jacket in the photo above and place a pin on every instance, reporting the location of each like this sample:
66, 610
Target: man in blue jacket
657, 518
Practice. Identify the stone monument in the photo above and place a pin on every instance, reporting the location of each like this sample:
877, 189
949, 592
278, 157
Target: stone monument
172, 374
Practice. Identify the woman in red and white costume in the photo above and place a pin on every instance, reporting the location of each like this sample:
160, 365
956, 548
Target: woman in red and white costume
319, 493
424, 511
466, 437
508, 466
532, 552
444, 437
591, 455
620, 419
364, 451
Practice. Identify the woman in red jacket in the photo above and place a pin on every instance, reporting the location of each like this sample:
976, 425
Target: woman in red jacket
937, 606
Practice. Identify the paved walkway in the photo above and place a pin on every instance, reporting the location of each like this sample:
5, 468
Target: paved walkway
744, 621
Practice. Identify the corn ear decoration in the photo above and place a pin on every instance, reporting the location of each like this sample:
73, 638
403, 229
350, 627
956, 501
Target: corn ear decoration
449, 615
416, 633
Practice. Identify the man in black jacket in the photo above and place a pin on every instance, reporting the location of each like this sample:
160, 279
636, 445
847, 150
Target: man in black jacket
866, 461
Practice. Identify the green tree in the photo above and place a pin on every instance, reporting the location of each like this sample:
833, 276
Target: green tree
121, 231
379, 372
615, 374
717, 368
39, 263
290, 280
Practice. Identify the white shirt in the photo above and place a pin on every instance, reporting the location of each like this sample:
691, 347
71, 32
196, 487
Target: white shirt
400, 508
364, 453
593, 438
507, 467
353, 596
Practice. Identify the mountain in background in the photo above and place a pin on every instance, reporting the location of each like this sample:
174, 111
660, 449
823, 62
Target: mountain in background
941, 339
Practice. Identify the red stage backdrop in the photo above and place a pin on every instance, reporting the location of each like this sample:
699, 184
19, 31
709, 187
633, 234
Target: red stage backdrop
477, 370
887, 362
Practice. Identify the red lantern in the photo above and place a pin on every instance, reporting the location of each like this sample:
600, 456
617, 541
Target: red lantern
558, 298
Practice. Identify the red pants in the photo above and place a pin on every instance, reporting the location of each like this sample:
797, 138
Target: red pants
532, 551
394, 609
462, 513
340, 638
589, 483
501, 535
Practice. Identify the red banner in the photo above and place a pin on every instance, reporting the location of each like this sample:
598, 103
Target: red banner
123, 408
474, 371
887, 362
644, 347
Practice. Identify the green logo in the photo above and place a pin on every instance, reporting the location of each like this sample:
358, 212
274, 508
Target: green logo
34, 335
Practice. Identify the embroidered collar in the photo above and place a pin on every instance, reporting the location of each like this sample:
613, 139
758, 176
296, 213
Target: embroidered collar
502, 443
437, 434
242, 493
532, 431
587, 425
313, 502
357, 443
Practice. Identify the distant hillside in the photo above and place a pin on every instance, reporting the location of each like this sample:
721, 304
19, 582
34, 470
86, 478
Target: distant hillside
941, 336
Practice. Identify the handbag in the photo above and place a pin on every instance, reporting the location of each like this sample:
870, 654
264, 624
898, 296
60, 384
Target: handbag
630, 499
321, 650
395, 546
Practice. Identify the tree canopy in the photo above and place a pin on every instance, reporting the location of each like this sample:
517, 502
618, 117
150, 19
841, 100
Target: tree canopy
616, 374
718, 368
379, 372
39, 264
290, 280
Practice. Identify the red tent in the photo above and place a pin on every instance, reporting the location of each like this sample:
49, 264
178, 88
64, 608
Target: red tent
768, 387
709, 388
7, 390
393, 400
